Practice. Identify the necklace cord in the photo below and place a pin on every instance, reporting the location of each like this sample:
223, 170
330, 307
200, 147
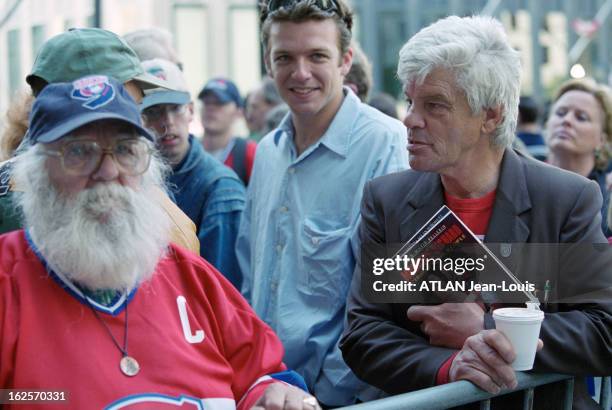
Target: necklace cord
123, 350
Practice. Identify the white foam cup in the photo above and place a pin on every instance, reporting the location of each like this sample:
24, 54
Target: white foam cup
522, 327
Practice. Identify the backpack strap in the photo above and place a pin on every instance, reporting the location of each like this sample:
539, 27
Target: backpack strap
239, 152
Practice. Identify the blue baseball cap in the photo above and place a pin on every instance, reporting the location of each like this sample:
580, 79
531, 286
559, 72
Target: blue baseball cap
224, 89
61, 108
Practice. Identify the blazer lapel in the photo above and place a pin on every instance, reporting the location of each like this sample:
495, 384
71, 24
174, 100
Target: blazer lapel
512, 204
423, 201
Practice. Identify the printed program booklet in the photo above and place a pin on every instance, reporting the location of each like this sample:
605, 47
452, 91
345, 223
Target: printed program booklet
447, 251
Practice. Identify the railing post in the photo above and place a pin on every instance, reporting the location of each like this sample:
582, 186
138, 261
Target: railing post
605, 397
528, 399
485, 404
569, 394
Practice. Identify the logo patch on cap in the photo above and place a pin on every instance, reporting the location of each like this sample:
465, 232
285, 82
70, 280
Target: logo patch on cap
95, 90
158, 72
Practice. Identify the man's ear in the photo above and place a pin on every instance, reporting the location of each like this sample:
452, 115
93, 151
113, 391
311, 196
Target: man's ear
492, 118
346, 62
268, 65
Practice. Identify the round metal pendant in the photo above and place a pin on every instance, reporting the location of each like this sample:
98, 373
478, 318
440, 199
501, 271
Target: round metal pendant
129, 366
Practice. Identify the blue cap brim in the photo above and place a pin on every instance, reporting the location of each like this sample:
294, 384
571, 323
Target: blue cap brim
84, 119
164, 97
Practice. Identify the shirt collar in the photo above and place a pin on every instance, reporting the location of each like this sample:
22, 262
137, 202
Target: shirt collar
337, 137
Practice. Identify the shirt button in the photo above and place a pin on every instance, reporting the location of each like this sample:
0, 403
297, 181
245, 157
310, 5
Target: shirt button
284, 209
291, 170
315, 241
273, 286
279, 248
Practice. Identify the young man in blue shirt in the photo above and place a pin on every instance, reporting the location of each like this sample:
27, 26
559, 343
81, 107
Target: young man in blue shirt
297, 242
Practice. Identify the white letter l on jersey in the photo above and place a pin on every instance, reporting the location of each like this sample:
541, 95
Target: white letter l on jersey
198, 336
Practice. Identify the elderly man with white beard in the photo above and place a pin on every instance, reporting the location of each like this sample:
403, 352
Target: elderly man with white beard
97, 307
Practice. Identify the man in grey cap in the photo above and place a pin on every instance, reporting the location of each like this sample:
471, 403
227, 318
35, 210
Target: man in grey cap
71, 55
210, 193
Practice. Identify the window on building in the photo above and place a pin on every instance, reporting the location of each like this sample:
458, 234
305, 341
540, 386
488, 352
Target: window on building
191, 40
38, 38
244, 46
68, 24
392, 37
14, 61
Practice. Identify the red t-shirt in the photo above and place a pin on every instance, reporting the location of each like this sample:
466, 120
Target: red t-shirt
475, 213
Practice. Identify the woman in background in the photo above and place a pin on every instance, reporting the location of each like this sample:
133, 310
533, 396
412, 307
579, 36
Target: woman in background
579, 133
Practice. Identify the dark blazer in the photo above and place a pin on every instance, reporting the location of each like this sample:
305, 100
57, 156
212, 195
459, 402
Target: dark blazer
535, 203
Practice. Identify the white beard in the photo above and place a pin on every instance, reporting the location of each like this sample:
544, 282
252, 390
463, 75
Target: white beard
107, 237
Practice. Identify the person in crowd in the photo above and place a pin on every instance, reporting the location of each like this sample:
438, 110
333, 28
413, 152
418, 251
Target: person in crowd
12, 135
461, 79
16, 124
95, 276
359, 77
528, 128
210, 193
296, 245
258, 103
579, 133
275, 116
384, 103
66, 57
153, 42
221, 108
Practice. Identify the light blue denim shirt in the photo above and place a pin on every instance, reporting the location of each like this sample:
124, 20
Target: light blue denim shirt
298, 237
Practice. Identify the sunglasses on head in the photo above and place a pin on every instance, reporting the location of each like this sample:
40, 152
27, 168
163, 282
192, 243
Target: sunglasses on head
324, 5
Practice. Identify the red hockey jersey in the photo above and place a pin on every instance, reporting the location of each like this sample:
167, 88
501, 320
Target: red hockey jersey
198, 343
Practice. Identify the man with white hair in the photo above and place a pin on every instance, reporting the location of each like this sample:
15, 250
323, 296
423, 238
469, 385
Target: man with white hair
95, 247
461, 79
209, 193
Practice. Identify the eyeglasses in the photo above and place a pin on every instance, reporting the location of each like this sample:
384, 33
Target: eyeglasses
157, 112
324, 5
82, 157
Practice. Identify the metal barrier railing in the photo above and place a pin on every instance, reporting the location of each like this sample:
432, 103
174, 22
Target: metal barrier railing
605, 397
464, 392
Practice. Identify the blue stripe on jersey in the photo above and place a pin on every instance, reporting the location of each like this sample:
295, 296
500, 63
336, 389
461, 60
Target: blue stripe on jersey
114, 308
291, 377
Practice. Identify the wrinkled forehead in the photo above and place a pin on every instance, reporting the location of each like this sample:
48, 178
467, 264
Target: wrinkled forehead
439, 80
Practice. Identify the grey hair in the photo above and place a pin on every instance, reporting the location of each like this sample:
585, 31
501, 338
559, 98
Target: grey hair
476, 50
154, 42
128, 245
